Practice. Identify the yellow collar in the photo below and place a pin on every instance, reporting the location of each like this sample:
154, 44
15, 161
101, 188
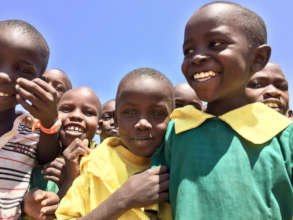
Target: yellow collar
255, 122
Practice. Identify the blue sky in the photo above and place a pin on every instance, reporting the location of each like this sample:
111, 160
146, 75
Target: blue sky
97, 42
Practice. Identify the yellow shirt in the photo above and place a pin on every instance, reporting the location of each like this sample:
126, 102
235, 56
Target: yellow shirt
102, 173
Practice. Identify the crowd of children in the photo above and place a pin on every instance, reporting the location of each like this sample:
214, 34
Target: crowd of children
156, 158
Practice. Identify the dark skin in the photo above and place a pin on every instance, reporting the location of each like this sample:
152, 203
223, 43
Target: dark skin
22, 63
142, 127
185, 95
218, 59
78, 109
57, 79
270, 87
107, 126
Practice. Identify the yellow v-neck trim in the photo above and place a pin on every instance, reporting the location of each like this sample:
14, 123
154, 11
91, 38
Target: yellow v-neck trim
255, 122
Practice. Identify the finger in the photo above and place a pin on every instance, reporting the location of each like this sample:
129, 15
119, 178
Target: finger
51, 199
163, 177
164, 186
55, 179
49, 210
46, 86
32, 88
37, 194
27, 106
159, 170
85, 142
163, 196
54, 164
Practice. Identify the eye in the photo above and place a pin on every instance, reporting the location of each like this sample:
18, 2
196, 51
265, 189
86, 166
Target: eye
188, 51
107, 117
130, 113
158, 114
90, 112
256, 84
65, 108
217, 44
60, 88
283, 87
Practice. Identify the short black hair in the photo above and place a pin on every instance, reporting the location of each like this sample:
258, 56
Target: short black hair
36, 36
147, 72
252, 24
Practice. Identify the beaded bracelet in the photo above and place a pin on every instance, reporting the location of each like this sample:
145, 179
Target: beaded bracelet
53, 130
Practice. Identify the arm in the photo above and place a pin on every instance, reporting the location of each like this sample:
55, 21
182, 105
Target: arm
140, 190
43, 99
71, 168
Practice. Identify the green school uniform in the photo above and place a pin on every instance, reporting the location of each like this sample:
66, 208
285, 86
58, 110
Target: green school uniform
235, 166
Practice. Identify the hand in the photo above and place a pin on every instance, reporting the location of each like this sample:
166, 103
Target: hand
40, 205
43, 99
53, 170
72, 155
146, 188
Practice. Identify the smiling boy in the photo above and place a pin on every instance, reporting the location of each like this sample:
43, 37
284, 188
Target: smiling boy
270, 87
24, 55
109, 186
235, 161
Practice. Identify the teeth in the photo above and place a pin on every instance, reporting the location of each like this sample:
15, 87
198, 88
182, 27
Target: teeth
202, 75
74, 128
272, 105
3, 94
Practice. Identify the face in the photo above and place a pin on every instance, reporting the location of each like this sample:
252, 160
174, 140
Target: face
58, 80
106, 123
216, 55
185, 95
19, 57
143, 109
78, 110
270, 87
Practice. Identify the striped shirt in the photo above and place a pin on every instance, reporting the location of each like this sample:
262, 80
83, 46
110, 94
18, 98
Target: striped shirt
17, 158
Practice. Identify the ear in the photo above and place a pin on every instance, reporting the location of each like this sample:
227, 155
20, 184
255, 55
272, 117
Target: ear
99, 126
261, 57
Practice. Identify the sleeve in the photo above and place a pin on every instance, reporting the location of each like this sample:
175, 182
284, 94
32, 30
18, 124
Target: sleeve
74, 203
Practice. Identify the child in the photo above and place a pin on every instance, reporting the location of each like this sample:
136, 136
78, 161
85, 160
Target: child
270, 87
107, 126
24, 56
47, 177
107, 187
185, 95
235, 161
79, 110
59, 80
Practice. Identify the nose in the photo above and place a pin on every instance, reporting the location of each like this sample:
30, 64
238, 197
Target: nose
76, 115
199, 58
112, 122
143, 124
271, 91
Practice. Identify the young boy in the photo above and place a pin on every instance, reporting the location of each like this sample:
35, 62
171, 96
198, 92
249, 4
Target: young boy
79, 109
235, 161
57, 79
107, 187
24, 55
185, 95
107, 126
270, 87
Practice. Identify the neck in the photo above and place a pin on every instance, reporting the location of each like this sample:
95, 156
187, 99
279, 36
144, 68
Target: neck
6, 120
222, 106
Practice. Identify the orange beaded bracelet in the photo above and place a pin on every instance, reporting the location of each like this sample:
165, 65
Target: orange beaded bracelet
53, 130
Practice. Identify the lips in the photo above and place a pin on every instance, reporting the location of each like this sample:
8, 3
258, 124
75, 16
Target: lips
204, 75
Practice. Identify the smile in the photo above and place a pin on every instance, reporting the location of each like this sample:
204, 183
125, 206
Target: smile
204, 76
75, 130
